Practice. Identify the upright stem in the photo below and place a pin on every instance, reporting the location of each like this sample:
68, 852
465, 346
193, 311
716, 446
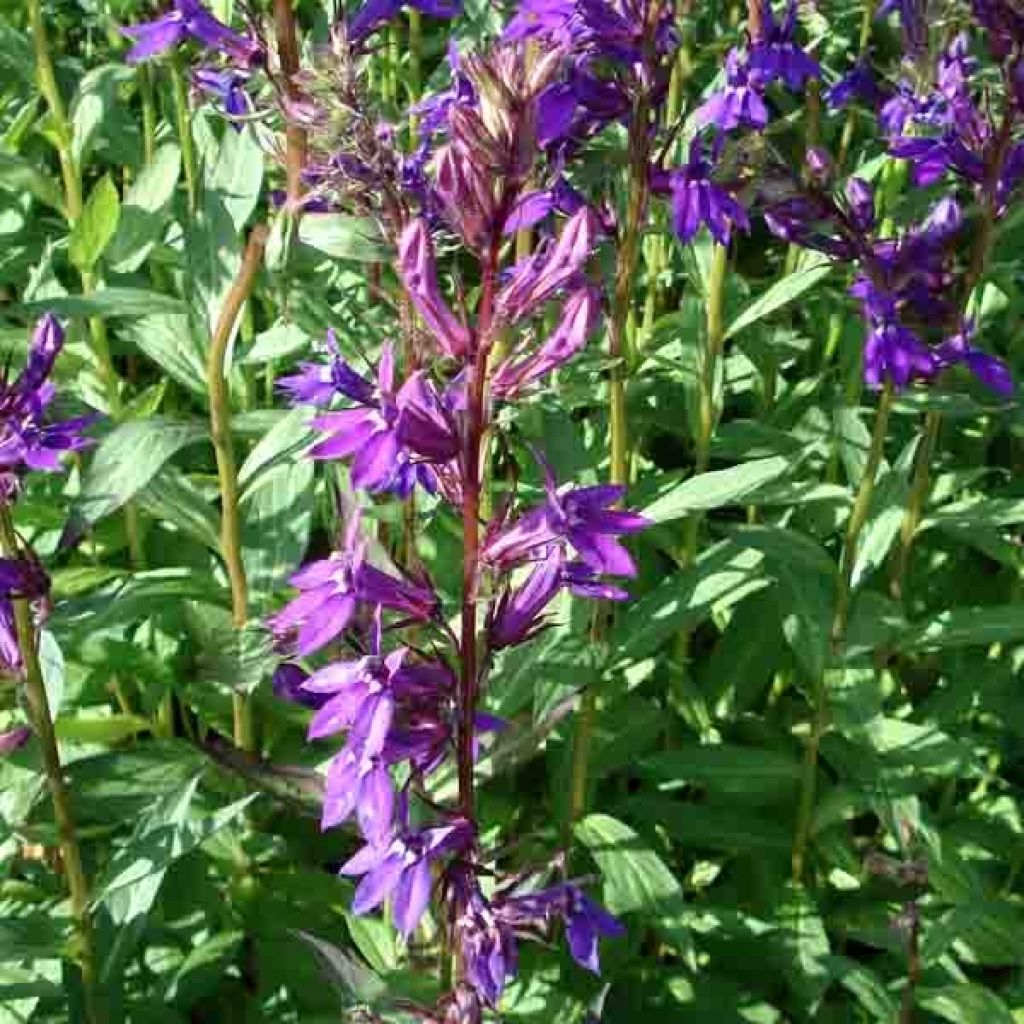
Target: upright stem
471, 484
183, 120
227, 474
295, 137
708, 412
148, 113
622, 302
840, 621
415, 52
38, 707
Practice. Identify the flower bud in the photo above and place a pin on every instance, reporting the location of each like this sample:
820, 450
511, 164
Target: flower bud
819, 165
860, 196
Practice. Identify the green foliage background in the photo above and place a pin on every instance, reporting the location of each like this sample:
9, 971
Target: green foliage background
214, 892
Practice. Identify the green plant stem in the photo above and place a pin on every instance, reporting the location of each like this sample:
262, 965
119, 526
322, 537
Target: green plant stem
183, 120
708, 412
840, 621
148, 113
625, 274
223, 445
38, 708
415, 52
846, 140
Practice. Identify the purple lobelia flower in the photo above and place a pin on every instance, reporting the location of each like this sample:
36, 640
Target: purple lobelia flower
578, 516
332, 588
773, 54
547, 271
579, 317
486, 941
586, 922
739, 104
227, 87
401, 869
13, 740
286, 683
960, 350
417, 266
27, 440
10, 649
373, 14
189, 19
858, 85
518, 614
896, 354
699, 201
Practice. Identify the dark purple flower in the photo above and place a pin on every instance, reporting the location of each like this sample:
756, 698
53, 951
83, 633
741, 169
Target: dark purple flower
319, 383
401, 869
487, 942
960, 350
556, 112
578, 516
189, 19
860, 201
583, 581
10, 648
697, 200
895, 353
550, 20
774, 56
579, 317
375, 13
518, 614
1003, 21
857, 85
286, 683
739, 104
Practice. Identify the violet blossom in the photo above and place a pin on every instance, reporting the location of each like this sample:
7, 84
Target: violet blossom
189, 20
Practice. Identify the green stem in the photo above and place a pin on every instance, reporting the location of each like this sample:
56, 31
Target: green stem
38, 707
707, 411
854, 528
846, 140
415, 53
148, 113
227, 473
622, 303
183, 119
919, 488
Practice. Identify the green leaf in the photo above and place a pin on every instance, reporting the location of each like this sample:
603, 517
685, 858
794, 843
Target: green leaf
715, 489
343, 237
806, 941
172, 497
354, 982
169, 340
722, 576
143, 210
277, 342
107, 730
713, 827
635, 879
965, 1004
18, 175
95, 228
725, 767
129, 457
780, 295
966, 627
111, 302
203, 969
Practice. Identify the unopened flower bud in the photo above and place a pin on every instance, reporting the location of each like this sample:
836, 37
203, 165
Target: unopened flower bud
861, 199
819, 165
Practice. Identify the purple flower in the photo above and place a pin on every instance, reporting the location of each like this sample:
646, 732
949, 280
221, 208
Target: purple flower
913, 23
417, 267
286, 683
13, 740
332, 588
860, 201
487, 942
518, 614
697, 200
10, 648
578, 516
189, 19
226, 86
895, 353
774, 56
857, 85
401, 869
547, 271
375, 13
550, 20
318, 383
739, 104
359, 781
579, 317
991, 371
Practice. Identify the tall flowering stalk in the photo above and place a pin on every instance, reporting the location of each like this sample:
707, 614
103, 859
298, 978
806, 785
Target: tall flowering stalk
30, 440
411, 699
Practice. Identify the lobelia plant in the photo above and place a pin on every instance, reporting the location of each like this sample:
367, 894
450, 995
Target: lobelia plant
31, 441
425, 420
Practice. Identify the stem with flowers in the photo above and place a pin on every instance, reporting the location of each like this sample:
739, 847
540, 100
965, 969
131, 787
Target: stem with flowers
227, 473
41, 720
295, 135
